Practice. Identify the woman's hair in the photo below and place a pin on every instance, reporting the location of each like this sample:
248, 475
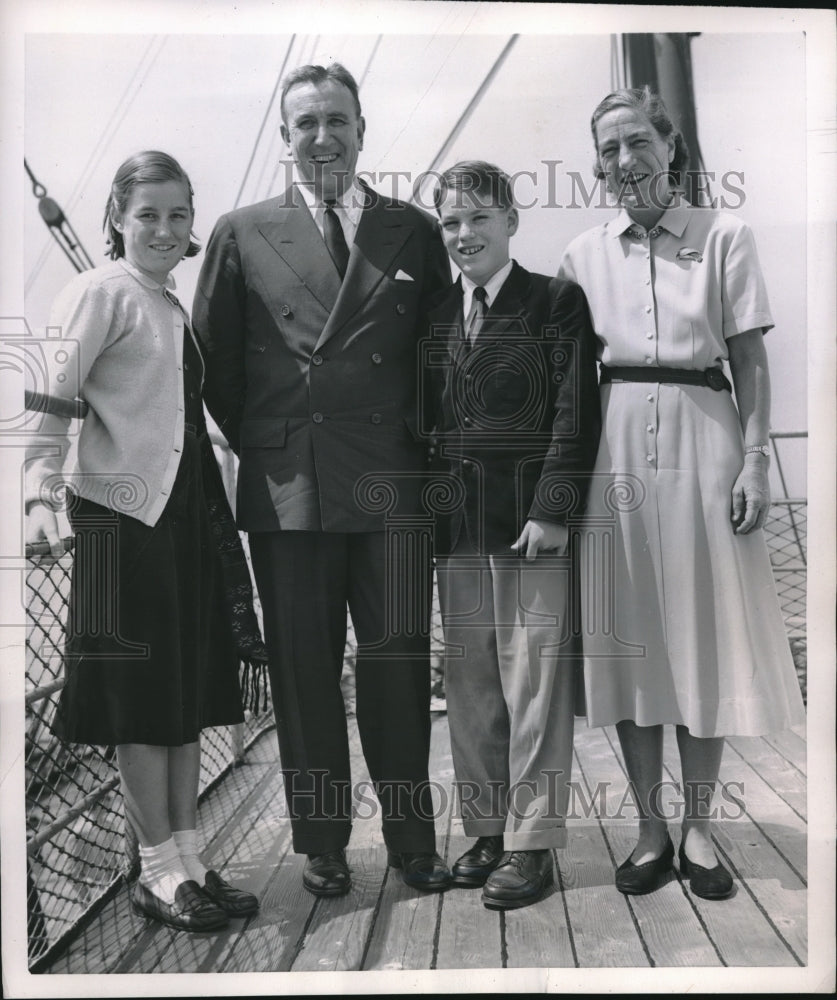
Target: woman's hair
148, 167
476, 177
651, 105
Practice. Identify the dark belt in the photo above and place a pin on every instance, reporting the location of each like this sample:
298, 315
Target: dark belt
712, 377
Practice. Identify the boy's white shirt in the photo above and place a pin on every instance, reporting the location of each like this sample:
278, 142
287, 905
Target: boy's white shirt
492, 287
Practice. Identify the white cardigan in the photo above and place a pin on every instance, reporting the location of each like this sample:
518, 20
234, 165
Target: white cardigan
116, 341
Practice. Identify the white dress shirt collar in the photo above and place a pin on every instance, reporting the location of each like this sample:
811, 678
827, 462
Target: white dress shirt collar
492, 288
348, 207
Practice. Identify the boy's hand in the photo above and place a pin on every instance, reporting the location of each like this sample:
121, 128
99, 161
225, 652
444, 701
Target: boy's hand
537, 535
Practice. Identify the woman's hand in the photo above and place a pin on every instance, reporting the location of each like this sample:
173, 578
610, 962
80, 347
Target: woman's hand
748, 365
537, 535
42, 525
751, 495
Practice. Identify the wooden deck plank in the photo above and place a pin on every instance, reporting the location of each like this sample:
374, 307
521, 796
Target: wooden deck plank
776, 891
402, 935
792, 745
538, 936
382, 924
784, 778
765, 921
271, 939
667, 924
604, 934
469, 934
777, 820
335, 939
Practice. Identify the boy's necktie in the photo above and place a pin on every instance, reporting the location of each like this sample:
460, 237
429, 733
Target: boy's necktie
477, 316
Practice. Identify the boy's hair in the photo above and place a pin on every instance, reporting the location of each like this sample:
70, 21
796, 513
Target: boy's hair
475, 177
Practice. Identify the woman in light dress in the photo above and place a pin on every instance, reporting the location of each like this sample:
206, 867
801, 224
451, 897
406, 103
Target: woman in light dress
681, 617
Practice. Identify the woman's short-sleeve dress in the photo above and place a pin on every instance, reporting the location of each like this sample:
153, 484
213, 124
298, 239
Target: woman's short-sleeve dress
680, 616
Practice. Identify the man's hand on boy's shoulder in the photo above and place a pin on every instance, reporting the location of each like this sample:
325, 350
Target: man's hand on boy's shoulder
541, 535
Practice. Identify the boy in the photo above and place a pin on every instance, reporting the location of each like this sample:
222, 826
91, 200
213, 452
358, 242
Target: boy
513, 399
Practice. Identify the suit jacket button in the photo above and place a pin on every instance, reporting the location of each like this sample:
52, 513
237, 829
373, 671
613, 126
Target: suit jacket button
375, 418
376, 358
286, 310
317, 417
400, 308
466, 421
317, 359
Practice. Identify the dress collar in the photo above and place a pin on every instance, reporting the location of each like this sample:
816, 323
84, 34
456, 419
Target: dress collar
674, 220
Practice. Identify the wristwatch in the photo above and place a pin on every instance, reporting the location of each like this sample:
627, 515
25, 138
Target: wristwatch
762, 449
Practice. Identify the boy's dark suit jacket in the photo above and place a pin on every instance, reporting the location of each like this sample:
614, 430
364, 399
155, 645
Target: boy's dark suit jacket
516, 416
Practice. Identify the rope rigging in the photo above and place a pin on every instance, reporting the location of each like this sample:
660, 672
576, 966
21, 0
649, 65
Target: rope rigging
59, 226
469, 110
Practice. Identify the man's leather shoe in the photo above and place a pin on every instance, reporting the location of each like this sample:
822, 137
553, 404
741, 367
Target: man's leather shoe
190, 911
421, 871
637, 880
327, 874
235, 902
477, 863
708, 883
519, 880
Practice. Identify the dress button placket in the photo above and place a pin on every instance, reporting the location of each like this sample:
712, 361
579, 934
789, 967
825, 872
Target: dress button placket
649, 438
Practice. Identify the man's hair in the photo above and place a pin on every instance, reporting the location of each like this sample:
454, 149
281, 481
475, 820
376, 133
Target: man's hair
336, 72
485, 180
652, 106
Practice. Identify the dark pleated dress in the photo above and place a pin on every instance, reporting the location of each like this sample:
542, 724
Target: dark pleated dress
150, 655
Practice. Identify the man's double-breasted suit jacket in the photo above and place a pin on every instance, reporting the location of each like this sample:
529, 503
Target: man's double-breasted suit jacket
313, 381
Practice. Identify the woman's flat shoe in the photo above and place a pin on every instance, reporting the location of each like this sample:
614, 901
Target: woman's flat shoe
637, 880
708, 883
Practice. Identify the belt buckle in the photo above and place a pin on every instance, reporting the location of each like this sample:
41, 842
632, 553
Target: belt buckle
715, 378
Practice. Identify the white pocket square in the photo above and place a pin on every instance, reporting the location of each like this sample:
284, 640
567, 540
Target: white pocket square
402, 276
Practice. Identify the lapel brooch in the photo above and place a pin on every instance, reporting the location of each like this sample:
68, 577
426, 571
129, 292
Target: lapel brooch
685, 253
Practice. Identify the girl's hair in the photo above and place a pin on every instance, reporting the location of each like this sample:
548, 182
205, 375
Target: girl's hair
148, 167
651, 105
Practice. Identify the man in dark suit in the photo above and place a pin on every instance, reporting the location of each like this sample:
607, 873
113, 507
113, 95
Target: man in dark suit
308, 306
514, 399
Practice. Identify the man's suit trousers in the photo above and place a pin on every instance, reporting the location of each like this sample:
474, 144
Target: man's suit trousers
306, 581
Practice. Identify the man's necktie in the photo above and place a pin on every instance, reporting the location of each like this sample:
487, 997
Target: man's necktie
476, 317
335, 238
